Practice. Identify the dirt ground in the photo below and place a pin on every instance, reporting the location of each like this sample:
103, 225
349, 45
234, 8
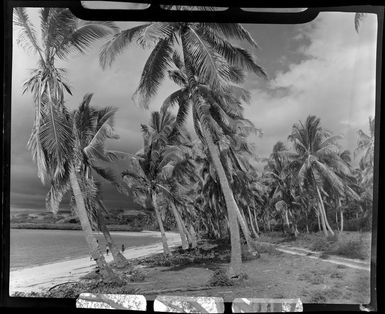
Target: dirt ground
274, 276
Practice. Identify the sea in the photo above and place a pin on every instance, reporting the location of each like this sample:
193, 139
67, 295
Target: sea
32, 247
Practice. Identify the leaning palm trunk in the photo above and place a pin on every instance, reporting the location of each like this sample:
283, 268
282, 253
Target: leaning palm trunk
324, 220
118, 257
231, 205
338, 227
245, 229
180, 227
96, 254
251, 223
342, 220
166, 249
256, 222
318, 219
194, 240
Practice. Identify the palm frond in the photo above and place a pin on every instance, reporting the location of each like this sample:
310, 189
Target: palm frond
233, 31
55, 196
117, 43
153, 72
56, 138
27, 35
95, 149
236, 56
203, 58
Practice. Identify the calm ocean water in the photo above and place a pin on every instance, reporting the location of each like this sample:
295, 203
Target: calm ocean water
30, 247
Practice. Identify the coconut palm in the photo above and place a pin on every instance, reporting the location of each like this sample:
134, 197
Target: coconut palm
365, 147
209, 60
317, 161
93, 127
61, 35
149, 172
51, 141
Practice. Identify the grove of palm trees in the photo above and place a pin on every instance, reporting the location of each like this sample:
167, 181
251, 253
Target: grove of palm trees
197, 166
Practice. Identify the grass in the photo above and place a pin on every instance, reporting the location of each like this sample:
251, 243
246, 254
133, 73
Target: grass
351, 249
325, 295
313, 277
354, 245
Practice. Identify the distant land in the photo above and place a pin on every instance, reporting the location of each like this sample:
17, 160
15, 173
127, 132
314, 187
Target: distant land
117, 220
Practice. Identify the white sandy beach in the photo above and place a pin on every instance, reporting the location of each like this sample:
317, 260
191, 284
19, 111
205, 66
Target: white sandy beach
40, 278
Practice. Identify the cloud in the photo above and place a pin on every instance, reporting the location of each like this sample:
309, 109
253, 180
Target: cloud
323, 68
335, 81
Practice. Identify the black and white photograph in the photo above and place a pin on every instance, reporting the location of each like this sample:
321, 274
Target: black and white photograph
230, 160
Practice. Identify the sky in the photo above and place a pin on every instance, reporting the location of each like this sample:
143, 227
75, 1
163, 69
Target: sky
323, 68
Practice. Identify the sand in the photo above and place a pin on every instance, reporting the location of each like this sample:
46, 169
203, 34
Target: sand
42, 277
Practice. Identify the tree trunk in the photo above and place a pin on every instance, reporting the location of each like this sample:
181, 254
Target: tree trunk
318, 219
104, 269
324, 219
166, 249
256, 222
245, 229
232, 208
338, 227
342, 220
287, 223
119, 259
194, 242
251, 223
180, 228
325, 231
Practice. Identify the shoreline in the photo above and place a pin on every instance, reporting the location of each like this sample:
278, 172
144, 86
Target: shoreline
146, 233
40, 277
67, 226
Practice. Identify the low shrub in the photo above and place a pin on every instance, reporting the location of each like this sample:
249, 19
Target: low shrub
220, 279
325, 295
332, 238
137, 275
318, 297
350, 249
320, 244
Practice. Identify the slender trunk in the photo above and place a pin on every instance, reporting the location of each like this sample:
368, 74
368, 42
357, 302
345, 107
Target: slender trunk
186, 232
287, 219
166, 249
342, 220
231, 205
256, 223
324, 219
194, 242
268, 224
245, 229
325, 231
251, 223
338, 227
180, 228
118, 257
96, 254
318, 219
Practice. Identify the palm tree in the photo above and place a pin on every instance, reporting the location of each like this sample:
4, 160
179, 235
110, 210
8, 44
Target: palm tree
92, 127
317, 161
150, 170
209, 61
51, 141
365, 147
